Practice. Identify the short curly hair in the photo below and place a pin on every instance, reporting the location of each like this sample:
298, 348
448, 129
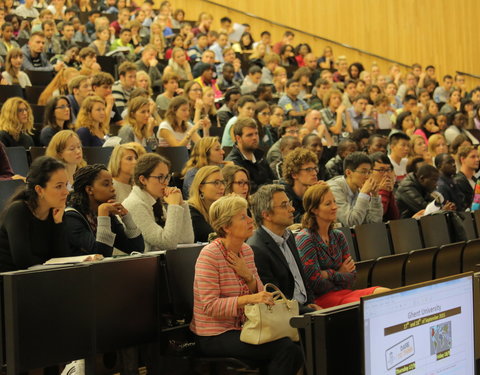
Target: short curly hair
295, 160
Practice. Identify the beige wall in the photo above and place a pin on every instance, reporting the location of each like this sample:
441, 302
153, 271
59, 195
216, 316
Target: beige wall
438, 32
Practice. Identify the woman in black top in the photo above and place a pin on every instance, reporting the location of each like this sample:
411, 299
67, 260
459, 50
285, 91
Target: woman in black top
207, 186
32, 229
16, 123
92, 216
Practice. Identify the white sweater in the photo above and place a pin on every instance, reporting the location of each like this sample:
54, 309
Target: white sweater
178, 224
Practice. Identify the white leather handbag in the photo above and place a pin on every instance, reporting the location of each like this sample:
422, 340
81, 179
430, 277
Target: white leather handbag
269, 323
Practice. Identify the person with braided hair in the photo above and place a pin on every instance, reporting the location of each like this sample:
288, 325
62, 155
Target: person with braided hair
95, 221
38, 211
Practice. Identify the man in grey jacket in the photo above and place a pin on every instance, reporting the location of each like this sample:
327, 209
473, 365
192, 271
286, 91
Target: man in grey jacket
356, 192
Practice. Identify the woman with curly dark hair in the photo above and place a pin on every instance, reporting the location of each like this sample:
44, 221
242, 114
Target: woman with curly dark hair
92, 216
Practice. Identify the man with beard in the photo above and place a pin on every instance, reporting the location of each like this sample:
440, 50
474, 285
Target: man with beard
246, 153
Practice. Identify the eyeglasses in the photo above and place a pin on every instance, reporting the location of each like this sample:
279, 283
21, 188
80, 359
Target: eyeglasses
276, 114
63, 107
285, 205
264, 113
242, 183
293, 131
217, 183
21, 110
162, 179
310, 169
364, 172
382, 170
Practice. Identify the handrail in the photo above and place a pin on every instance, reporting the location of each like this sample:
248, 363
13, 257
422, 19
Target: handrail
310, 34
468, 74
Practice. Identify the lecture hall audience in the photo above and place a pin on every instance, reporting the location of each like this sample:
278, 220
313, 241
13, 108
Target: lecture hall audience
348, 144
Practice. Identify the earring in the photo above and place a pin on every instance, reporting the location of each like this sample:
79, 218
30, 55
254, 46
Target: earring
202, 196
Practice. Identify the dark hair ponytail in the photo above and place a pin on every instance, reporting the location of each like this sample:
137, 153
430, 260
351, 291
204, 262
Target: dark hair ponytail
84, 177
39, 174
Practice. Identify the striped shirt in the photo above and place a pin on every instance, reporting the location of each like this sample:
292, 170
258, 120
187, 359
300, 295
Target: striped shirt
317, 256
216, 289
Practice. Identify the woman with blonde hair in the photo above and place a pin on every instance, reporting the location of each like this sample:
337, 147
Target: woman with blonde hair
259, 52
66, 147
144, 82
179, 65
324, 251
91, 125
209, 110
341, 75
207, 151
16, 123
58, 85
157, 39
139, 124
437, 144
280, 80
176, 130
13, 74
207, 186
418, 148
122, 165
193, 91
101, 45
226, 280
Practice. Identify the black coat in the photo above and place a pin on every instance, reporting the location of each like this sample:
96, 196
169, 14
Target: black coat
272, 266
260, 172
464, 186
451, 192
411, 196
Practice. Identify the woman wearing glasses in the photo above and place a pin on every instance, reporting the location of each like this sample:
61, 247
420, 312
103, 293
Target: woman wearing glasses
207, 151
324, 252
158, 210
66, 147
237, 180
207, 186
95, 221
300, 169
57, 117
16, 123
262, 117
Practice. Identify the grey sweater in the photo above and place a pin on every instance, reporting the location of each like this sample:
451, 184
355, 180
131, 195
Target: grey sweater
355, 208
178, 223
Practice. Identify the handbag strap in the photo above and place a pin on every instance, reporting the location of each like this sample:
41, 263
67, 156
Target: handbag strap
277, 294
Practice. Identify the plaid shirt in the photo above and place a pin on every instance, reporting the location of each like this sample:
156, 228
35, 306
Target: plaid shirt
317, 256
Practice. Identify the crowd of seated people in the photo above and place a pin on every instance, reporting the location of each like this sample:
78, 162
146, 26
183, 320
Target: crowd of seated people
273, 130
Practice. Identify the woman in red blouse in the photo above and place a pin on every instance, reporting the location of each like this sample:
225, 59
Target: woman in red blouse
226, 280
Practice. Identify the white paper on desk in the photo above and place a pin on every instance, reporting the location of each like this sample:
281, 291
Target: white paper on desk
238, 30
73, 260
186, 245
431, 208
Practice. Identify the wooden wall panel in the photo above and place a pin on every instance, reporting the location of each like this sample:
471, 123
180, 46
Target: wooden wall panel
439, 32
